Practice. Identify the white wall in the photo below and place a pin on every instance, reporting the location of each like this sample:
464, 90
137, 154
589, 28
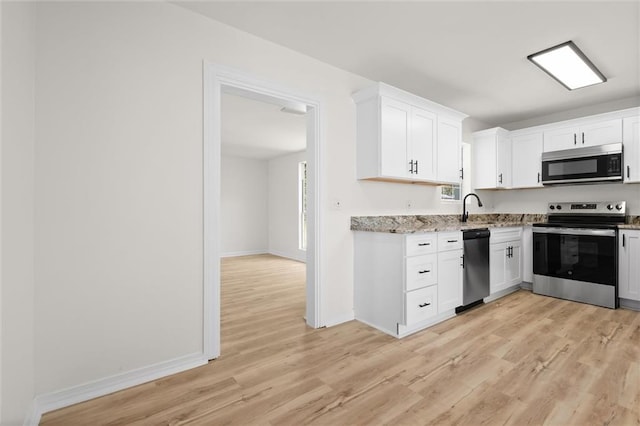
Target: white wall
244, 206
283, 206
17, 212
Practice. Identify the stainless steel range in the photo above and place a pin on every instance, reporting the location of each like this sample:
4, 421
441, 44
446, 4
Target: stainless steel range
575, 253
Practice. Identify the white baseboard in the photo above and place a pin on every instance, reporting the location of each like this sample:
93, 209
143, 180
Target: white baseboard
293, 256
501, 293
244, 253
63, 398
630, 304
339, 319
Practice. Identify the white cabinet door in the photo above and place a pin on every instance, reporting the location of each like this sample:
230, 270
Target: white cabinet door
513, 273
505, 265
526, 151
631, 141
484, 162
562, 138
449, 280
600, 133
394, 128
497, 267
422, 147
448, 150
629, 266
503, 161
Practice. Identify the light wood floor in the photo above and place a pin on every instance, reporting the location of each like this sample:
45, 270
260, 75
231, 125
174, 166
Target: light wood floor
524, 359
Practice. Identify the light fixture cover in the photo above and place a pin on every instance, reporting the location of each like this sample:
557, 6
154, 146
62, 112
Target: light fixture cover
568, 65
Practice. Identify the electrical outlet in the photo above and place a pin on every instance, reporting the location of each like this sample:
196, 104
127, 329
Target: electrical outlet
409, 205
336, 204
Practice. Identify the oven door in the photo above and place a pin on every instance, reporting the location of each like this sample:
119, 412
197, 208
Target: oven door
578, 254
576, 264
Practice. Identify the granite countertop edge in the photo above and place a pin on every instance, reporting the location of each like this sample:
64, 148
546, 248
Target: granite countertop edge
399, 224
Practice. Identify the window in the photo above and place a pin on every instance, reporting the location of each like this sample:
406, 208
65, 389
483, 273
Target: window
454, 192
302, 205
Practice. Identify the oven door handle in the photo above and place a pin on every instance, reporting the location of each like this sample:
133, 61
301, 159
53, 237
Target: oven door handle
576, 231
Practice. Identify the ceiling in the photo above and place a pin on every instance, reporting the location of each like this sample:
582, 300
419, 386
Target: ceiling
259, 130
470, 56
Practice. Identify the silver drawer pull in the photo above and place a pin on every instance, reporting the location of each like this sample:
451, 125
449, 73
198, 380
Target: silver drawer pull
452, 241
423, 305
424, 244
425, 271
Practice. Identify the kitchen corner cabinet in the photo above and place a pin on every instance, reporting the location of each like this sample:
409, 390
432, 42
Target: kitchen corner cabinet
631, 141
491, 159
581, 135
402, 137
505, 258
526, 160
629, 265
399, 285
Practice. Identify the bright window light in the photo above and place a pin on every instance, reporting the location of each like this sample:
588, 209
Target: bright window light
568, 65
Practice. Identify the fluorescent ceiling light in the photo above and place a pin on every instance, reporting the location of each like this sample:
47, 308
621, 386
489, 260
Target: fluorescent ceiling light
568, 65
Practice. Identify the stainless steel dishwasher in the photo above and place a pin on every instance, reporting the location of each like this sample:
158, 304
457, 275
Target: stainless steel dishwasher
475, 282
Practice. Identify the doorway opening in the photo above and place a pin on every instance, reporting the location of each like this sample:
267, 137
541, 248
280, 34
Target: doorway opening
220, 81
263, 222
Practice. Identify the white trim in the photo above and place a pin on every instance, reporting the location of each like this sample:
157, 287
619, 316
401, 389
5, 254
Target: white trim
216, 79
63, 398
340, 319
244, 253
302, 257
500, 294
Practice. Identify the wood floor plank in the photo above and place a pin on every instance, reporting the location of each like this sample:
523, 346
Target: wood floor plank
523, 359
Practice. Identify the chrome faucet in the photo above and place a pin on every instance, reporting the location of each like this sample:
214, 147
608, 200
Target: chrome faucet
465, 213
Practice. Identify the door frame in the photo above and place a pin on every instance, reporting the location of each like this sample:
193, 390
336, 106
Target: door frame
219, 79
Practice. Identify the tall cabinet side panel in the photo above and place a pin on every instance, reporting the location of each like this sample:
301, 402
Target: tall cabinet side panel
379, 262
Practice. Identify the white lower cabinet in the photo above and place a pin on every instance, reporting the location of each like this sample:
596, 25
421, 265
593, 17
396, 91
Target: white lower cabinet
505, 259
629, 265
403, 283
450, 272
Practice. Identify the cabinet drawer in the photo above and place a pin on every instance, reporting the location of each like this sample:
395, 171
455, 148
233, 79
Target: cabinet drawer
449, 241
421, 271
421, 304
501, 235
421, 244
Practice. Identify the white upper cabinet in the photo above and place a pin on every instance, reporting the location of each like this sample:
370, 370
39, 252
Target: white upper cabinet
449, 144
491, 159
631, 142
423, 143
402, 137
588, 133
526, 152
394, 138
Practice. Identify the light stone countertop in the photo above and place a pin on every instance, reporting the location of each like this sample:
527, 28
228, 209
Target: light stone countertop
632, 222
411, 224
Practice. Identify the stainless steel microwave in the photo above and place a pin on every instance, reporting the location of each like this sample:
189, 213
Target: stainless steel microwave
592, 164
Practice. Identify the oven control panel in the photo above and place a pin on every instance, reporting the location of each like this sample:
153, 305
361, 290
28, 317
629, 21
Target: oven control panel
589, 208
